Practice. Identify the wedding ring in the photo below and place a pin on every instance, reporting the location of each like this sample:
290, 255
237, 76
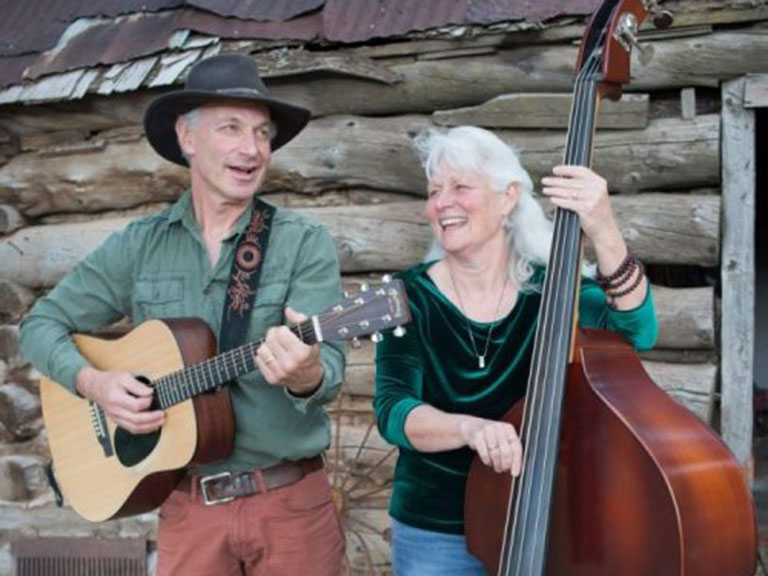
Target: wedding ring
573, 194
270, 359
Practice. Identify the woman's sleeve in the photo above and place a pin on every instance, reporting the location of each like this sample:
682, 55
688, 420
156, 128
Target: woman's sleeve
399, 380
638, 326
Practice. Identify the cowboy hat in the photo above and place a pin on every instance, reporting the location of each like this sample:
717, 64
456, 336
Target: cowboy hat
222, 78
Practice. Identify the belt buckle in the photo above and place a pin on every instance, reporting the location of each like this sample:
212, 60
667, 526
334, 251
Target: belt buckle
204, 489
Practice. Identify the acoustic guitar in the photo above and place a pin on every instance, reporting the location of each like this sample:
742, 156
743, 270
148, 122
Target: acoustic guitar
106, 472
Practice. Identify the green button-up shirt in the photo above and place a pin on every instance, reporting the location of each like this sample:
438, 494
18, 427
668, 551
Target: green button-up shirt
158, 267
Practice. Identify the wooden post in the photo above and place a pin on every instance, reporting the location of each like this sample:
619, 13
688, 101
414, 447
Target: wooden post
737, 272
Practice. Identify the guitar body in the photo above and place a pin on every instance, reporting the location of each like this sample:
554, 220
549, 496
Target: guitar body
114, 473
642, 486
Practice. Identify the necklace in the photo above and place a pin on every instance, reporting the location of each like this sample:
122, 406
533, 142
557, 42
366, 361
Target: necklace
480, 357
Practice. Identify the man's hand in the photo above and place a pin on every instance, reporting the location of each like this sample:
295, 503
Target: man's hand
285, 360
124, 399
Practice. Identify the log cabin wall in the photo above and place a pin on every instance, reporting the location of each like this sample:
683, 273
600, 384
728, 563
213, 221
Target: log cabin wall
75, 166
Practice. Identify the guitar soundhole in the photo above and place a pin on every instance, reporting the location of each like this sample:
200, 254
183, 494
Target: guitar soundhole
133, 448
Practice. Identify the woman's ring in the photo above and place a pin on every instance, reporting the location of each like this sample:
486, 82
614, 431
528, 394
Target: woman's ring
573, 194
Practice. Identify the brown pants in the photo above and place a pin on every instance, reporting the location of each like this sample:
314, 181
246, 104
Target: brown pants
291, 531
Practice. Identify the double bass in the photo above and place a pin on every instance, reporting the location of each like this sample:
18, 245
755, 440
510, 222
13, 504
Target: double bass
617, 478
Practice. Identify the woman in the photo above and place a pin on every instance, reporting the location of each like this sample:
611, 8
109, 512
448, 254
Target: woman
465, 358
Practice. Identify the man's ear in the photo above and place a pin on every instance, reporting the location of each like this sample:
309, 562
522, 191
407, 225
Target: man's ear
184, 135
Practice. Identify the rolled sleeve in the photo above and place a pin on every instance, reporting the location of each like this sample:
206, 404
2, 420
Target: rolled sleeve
315, 287
95, 293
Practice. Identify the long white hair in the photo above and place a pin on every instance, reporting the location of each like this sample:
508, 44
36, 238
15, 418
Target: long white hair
471, 149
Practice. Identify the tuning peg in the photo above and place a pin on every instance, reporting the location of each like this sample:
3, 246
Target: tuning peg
399, 332
346, 294
364, 287
356, 343
387, 278
662, 19
626, 35
376, 337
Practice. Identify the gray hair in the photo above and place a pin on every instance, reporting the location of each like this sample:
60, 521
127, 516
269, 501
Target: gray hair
471, 149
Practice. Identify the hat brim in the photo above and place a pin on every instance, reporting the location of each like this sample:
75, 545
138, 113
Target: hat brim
162, 112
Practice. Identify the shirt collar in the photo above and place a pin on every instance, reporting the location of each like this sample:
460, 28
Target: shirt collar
183, 211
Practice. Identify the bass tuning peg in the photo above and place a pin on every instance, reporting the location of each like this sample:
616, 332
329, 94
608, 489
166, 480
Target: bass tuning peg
399, 332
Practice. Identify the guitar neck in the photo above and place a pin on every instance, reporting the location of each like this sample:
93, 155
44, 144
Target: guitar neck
208, 375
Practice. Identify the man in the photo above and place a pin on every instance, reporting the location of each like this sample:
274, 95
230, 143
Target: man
281, 520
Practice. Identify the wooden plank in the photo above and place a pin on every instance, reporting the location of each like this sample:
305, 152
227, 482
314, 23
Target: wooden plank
546, 111
737, 273
756, 91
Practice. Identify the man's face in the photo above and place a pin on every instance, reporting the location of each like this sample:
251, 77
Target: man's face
228, 148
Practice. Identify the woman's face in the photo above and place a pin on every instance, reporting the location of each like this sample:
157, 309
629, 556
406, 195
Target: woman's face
464, 212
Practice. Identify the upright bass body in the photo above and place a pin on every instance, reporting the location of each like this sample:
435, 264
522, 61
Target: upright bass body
642, 487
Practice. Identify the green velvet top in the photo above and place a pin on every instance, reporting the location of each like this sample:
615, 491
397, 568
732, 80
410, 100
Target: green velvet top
435, 364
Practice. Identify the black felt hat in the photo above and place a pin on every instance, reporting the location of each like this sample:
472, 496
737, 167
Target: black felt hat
225, 78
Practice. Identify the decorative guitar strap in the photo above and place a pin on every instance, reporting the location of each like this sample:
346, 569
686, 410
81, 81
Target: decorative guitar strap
244, 277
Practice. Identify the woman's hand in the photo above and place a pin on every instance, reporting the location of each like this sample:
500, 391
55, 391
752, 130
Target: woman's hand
580, 189
496, 443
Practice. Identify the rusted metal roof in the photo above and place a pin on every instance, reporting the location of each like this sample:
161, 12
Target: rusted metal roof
357, 21
108, 41
58, 49
490, 11
264, 10
305, 28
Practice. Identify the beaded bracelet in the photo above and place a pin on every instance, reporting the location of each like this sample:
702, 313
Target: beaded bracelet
621, 275
614, 284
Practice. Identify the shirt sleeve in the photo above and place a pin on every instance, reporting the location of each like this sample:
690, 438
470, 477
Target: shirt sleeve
399, 382
94, 294
638, 326
315, 287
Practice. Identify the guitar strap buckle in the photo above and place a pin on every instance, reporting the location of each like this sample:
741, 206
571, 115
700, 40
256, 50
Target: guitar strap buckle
205, 482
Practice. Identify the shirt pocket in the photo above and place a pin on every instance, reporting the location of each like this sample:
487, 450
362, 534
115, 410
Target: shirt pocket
268, 308
159, 297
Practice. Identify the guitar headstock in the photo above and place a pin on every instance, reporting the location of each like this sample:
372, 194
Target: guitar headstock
609, 39
375, 308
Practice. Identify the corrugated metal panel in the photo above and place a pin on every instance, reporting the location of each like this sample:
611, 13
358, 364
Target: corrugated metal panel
346, 21
12, 68
264, 10
35, 25
304, 28
490, 11
110, 42
29, 26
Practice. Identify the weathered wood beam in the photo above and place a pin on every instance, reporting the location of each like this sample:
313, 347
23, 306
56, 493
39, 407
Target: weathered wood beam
349, 152
546, 111
737, 274
663, 228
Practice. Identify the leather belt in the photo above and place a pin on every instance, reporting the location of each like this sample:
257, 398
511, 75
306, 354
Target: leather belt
226, 486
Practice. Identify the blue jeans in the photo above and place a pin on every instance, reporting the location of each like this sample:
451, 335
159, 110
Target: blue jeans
417, 552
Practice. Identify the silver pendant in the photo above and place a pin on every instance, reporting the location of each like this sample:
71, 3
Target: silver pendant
481, 361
